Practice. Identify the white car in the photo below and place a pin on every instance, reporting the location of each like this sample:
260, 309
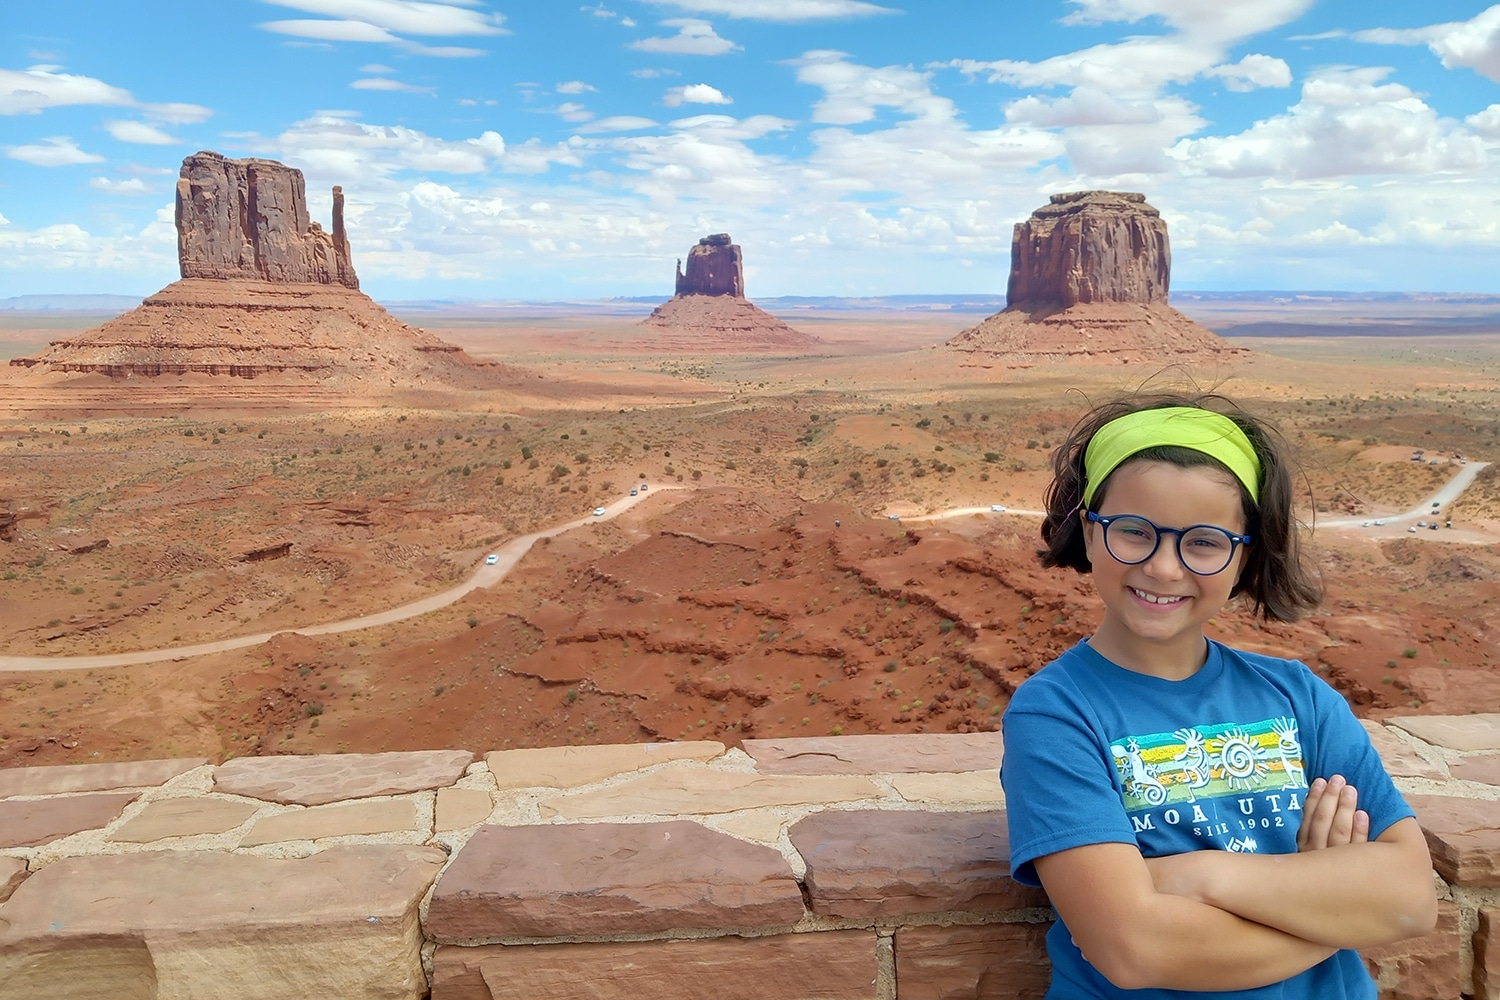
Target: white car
598, 511
491, 559
643, 487
1364, 524
634, 492
997, 508
1412, 529
1379, 521
1421, 524
894, 517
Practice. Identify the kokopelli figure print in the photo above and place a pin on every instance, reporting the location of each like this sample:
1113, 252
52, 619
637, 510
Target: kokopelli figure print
1291, 752
1142, 780
1194, 758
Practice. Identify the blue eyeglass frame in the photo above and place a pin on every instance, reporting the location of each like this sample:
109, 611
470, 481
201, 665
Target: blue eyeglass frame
1104, 521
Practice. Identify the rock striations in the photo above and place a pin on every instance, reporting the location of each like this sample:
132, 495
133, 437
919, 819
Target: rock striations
1089, 277
264, 292
710, 311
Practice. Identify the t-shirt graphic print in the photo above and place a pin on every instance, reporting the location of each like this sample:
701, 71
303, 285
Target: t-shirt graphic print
1224, 784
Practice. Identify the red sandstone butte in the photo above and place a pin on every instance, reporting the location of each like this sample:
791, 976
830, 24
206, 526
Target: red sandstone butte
264, 292
709, 311
1089, 277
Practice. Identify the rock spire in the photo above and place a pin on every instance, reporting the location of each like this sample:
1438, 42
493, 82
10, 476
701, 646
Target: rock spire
715, 266
248, 219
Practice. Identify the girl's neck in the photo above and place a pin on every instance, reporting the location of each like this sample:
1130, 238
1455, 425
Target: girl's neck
1174, 660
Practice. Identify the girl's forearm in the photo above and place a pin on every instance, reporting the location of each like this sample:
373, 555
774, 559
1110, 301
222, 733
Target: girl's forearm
1353, 896
1183, 944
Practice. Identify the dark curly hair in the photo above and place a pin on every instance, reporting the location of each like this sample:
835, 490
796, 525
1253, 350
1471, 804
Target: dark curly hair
1274, 578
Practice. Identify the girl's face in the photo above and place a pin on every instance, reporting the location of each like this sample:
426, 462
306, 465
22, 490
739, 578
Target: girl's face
1154, 611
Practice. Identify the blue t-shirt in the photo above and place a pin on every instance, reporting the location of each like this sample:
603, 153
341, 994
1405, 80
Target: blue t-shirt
1221, 760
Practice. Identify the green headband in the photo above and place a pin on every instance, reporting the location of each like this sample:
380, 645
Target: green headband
1213, 434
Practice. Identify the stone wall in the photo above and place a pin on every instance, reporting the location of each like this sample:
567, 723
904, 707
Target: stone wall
842, 867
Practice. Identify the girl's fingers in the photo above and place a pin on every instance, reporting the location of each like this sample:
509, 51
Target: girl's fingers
1320, 819
1309, 806
1341, 830
1361, 828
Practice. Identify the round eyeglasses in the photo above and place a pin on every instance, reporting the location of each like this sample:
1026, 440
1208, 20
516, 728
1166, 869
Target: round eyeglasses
1204, 549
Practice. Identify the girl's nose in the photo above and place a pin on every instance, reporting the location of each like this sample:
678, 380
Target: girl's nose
1164, 563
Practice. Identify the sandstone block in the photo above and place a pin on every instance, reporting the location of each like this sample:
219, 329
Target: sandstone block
1421, 968
1398, 756
458, 808
829, 965
984, 962
881, 864
569, 767
975, 788
1487, 955
1484, 768
93, 777
762, 824
213, 926
344, 820
29, 822
322, 778
878, 754
12, 874
184, 817
609, 878
1480, 731
679, 792
1463, 836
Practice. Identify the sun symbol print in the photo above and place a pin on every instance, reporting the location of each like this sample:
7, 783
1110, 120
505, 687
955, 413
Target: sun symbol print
1243, 760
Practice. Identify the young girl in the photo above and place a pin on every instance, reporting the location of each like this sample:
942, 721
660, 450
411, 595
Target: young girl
1203, 818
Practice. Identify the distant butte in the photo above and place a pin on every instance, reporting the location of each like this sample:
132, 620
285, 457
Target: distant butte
1089, 276
710, 311
265, 291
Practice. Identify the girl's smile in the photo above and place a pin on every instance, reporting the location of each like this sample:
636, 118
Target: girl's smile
1154, 611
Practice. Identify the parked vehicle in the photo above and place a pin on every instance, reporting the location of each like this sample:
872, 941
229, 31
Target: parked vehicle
491, 559
997, 508
598, 511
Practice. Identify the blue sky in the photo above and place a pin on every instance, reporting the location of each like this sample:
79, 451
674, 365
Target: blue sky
495, 149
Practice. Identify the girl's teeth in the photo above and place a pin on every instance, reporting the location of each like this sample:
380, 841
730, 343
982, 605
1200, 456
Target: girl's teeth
1154, 599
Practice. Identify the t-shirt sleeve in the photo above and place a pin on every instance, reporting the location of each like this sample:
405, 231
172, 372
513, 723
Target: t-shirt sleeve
1059, 790
1343, 747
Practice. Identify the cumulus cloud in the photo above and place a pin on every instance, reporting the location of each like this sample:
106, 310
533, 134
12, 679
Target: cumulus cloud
140, 132
57, 151
575, 87
345, 148
406, 16
599, 10
1474, 43
1084, 106
386, 83
572, 111
1221, 21
32, 91
693, 38
1252, 72
694, 93
781, 10
1348, 123
133, 185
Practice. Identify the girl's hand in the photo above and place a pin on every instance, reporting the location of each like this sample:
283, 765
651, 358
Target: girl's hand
1331, 816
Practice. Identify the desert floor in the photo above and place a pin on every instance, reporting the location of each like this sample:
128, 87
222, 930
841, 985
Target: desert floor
770, 595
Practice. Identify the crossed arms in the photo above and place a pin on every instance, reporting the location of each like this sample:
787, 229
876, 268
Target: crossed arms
1212, 920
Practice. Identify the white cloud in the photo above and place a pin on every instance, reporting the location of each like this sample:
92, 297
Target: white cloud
177, 113
57, 151
619, 123
575, 87
140, 132
1348, 123
693, 38
1220, 21
572, 111
132, 186
1474, 43
30, 91
348, 149
781, 10
694, 93
406, 16
1486, 122
652, 74
385, 83
1084, 106
375, 68
331, 31
1252, 72
851, 92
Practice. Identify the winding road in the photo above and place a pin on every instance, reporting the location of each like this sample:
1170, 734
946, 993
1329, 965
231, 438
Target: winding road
511, 553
